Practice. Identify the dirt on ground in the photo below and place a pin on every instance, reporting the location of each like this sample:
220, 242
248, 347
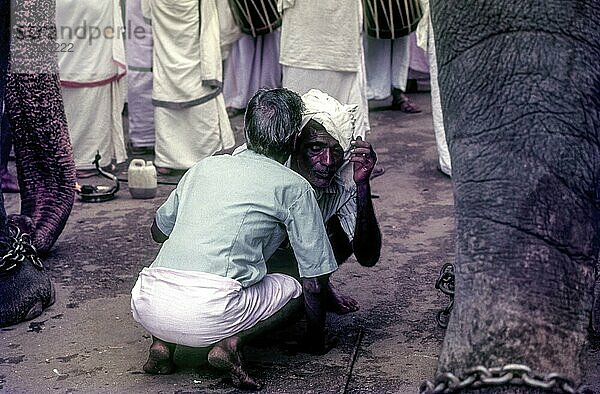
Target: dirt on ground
88, 342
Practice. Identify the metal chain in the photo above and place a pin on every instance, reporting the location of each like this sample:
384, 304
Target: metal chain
18, 248
445, 283
510, 374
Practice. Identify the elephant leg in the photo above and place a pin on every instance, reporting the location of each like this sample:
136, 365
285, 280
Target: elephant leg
45, 164
596, 307
46, 173
44, 157
520, 90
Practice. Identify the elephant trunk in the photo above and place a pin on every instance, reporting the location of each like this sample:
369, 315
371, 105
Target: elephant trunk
45, 165
520, 91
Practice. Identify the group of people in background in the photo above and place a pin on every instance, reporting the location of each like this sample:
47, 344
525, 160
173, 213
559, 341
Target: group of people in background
184, 67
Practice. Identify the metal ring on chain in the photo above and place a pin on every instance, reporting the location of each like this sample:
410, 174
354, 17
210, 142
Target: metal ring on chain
445, 283
18, 248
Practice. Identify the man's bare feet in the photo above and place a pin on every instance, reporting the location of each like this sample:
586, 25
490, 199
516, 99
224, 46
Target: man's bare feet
339, 303
160, 358
226, 355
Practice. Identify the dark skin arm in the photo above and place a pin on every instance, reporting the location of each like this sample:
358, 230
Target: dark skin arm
318, 340
367, 236
157, 235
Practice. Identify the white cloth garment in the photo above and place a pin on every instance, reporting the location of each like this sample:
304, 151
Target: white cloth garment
426, 40
95, 123
199, 309
140, 108
91, 34
387, 63
186, 136
321, 47
139, 76
229, 32
323, 35
190, 118
419, 62
91, 78
253, 63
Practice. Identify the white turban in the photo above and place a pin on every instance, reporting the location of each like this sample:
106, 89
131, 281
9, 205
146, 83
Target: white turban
337, 119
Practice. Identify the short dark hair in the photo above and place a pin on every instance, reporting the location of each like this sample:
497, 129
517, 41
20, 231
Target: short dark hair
273, 117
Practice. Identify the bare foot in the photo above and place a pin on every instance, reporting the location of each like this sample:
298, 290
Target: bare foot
339, 303
160, 358
225, 355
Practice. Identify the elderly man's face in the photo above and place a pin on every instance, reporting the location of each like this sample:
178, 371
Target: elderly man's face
317, 156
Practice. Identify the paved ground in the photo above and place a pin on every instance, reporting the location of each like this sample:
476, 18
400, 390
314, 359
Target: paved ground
87, 342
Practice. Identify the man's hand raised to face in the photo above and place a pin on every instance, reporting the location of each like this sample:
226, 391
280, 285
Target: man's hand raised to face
364, 158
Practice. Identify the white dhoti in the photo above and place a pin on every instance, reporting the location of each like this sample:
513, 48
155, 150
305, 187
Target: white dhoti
139, 77
387, 63
185, 136
419, 62
253, 63
190, 118
141, 110
95, 123
92, 75
436, 102
436, 111
199, 309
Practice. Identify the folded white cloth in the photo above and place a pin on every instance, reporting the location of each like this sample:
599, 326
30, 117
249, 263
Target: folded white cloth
199, 309
338, 119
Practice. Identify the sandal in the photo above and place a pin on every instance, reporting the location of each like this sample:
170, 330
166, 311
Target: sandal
404, 104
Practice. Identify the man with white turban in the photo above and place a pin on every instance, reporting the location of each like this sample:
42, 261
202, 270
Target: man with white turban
322, 153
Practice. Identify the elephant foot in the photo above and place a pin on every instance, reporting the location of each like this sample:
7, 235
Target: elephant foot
24, 294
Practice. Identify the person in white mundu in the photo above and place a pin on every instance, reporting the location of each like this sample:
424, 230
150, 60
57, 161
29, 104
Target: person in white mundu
208, 285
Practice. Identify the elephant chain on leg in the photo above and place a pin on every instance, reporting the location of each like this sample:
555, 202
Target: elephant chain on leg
510, 374
18, 247
445, 283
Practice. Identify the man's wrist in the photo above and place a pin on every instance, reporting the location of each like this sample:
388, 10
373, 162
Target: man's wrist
363, 189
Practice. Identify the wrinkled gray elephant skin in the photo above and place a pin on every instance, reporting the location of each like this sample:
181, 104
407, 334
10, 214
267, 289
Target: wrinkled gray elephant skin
44, 160
520, 89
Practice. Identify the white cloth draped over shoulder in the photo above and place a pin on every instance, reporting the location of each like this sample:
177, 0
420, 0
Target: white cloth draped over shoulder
321, 47
187, 55
311, 43
92, 34
91, 59
190, 118
229, 32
